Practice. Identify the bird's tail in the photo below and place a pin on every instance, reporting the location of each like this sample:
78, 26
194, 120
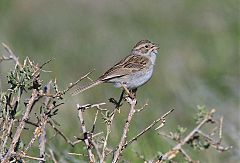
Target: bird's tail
88, 86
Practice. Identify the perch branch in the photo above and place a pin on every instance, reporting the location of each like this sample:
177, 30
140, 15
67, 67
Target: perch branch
122, 142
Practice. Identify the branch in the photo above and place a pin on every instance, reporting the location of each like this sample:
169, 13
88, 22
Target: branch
162, 119
80, 79
61, 133
18, 132
42, 138
11, 55
85, 133
53, 156
31, 157
109, 125
178, 148
122, 142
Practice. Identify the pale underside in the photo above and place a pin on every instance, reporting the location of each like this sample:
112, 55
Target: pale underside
133, 71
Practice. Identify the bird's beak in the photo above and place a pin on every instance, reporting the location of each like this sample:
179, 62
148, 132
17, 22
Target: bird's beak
155, 48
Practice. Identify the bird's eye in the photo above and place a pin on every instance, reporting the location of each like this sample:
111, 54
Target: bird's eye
146, 46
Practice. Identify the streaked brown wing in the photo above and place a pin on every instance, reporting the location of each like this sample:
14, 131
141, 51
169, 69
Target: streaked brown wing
126, 66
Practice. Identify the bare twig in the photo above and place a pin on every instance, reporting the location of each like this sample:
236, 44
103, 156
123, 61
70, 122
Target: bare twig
89, 106
48, 61
61, 93
162, 119
31, 157
85, 133
142, 108
188, 158
36, 134
97, 149
92, 132
42, 138
220, 130
6, 136
8, 123
178, 148
18, 132
77, 154
109, 125
80, 79
122, 142
11, 55
53, 156
61, 133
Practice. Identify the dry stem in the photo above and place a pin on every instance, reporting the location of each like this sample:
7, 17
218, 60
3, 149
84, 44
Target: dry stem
85, 133
178, 148
122, 142
18, 132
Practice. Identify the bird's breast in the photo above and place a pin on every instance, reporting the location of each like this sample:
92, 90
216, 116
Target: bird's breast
153, 57
136, 79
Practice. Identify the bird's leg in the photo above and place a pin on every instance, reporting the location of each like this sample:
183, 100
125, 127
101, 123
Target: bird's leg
131, 93
118, 104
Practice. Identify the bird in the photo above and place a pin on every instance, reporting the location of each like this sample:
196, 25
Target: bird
133, 71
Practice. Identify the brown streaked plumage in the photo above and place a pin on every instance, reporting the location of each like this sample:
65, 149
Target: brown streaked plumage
126, 66
134, 70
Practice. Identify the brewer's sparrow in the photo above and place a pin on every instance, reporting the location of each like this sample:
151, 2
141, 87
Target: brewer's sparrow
133, 71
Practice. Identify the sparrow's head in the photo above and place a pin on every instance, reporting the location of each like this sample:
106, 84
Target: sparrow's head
145, 47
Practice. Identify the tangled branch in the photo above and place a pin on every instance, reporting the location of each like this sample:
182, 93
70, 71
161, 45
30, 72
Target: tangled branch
26, 89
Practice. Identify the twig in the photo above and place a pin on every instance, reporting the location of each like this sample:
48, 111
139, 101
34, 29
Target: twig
61, 133
31, 157
85, 133
213, 143
178, 148
81, 140
80, 79
109, 125
77, 154
53, 156
89, 106
18, 132
93, 129
44, 118
61, 93
142, 108
220, 130
122, 142
37, 133
9, 120
42, 141
175, 150
40, 67
149, 127
188, 158
97, 149
94, 122
6, 136
10, 56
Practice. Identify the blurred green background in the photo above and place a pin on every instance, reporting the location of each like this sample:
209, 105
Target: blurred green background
198, 62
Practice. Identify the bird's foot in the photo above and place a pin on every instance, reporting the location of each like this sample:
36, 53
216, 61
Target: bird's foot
117, 104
